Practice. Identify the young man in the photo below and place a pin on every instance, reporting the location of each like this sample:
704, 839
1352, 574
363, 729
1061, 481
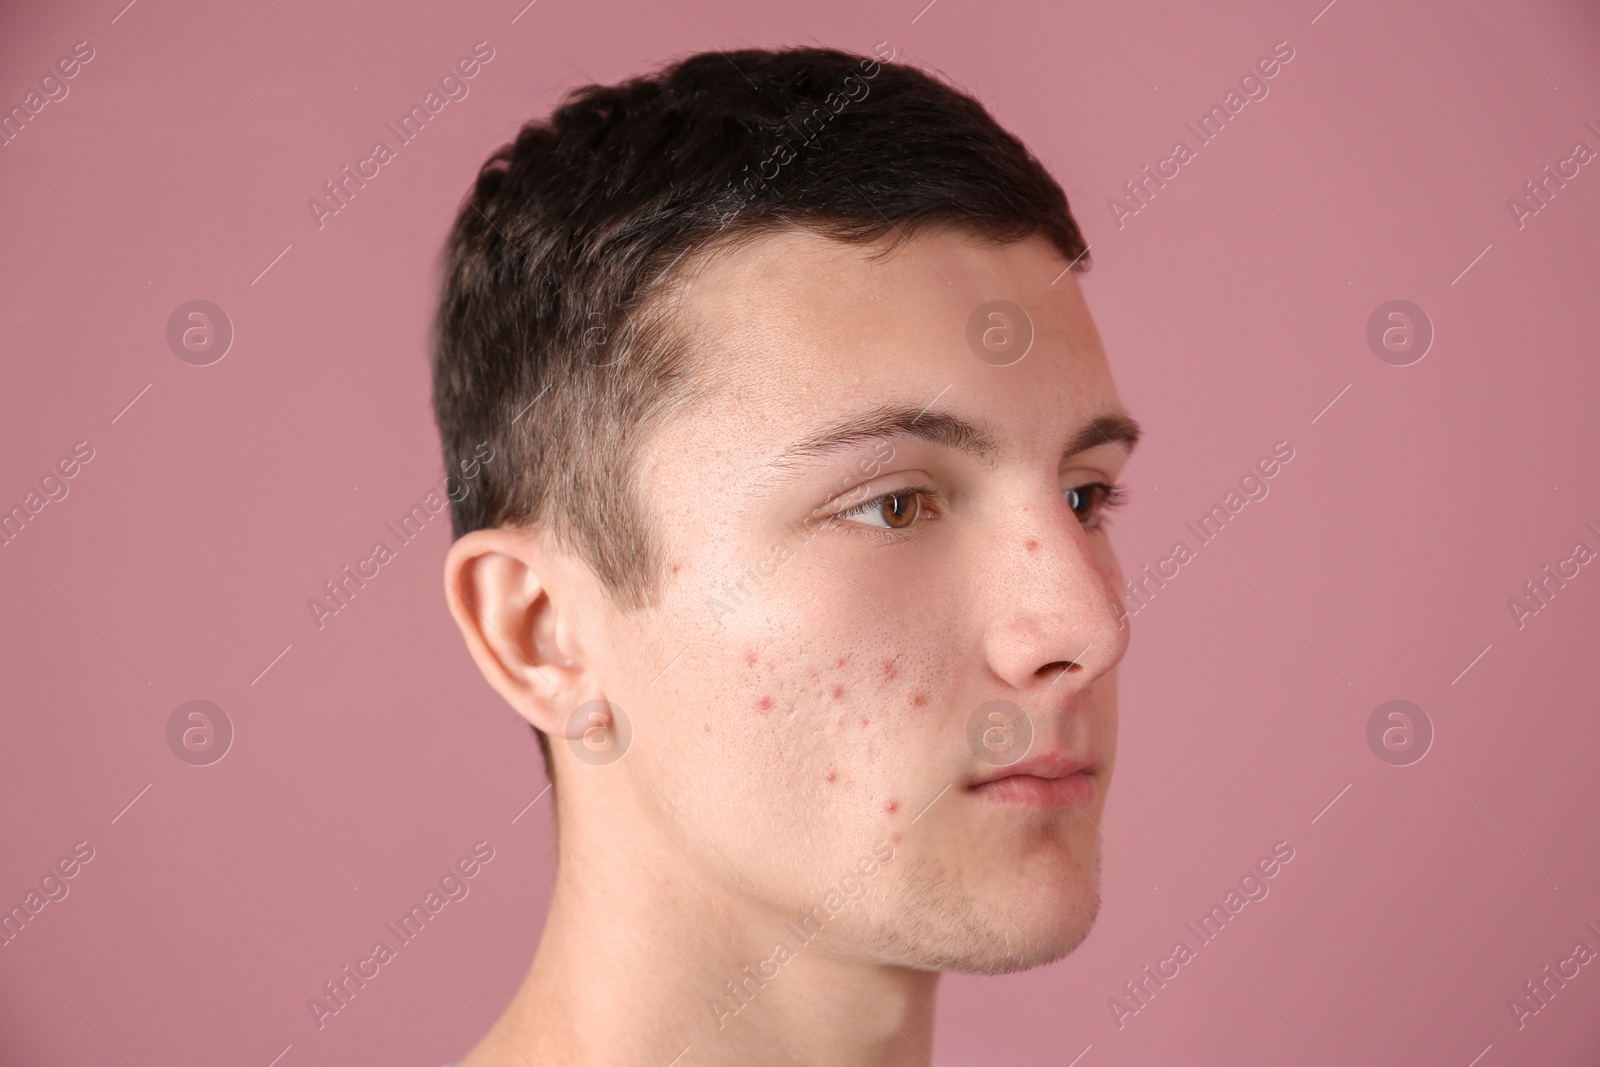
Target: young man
792, 550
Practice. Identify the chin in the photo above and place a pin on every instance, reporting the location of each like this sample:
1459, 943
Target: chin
1030, 919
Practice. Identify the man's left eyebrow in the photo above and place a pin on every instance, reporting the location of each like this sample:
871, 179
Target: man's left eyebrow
1117, 429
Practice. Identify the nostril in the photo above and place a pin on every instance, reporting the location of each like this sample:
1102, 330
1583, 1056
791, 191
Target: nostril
1058, 668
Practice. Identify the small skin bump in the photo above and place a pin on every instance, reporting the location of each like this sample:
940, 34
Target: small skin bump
842, 661
918, 699
1033, 546
894, 838
838, 692
708, 728
750, 657
764, 703
889, 670
891, 805
833, 776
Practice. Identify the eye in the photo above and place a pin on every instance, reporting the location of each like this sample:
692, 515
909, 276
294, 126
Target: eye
1091, 502
890, 511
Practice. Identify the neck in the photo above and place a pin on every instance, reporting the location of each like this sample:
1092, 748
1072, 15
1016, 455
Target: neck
644, 959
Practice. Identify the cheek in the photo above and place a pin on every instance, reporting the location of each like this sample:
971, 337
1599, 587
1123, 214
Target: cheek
849, 720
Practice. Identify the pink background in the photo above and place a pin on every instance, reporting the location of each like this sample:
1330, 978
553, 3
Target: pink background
370, 756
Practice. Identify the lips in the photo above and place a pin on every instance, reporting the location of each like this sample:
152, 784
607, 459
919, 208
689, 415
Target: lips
1048, 780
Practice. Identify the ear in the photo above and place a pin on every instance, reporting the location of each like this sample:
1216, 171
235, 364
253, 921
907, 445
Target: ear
514, 602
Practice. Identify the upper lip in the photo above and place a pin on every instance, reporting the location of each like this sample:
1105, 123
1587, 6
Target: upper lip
1047, 765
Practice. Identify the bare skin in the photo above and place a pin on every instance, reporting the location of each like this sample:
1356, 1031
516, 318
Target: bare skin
800, 742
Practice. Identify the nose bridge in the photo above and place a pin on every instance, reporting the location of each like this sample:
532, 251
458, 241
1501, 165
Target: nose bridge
1051, 603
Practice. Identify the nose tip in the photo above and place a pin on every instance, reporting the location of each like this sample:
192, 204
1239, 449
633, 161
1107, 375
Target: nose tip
1062, 618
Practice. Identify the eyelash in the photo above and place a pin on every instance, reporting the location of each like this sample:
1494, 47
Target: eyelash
927, 492
1111, 497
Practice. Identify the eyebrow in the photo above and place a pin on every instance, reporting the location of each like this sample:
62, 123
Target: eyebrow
942, 428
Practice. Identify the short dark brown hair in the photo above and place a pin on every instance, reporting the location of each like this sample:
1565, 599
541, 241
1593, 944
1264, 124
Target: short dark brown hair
551, 342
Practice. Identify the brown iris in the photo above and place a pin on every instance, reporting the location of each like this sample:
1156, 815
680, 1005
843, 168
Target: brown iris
899, 510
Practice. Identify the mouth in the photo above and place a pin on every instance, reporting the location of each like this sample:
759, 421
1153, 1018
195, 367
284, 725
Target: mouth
1046, 781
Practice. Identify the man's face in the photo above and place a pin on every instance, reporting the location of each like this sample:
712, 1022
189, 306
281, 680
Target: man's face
817, 677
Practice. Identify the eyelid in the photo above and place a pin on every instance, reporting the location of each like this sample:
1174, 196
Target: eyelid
879, 497
862, 492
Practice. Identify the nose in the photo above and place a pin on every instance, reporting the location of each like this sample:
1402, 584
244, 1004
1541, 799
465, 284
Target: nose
1051, 593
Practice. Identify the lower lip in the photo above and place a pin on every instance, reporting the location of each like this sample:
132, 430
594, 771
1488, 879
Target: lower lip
1030, 792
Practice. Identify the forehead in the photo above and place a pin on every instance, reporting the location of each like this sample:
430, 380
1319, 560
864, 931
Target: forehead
792, 329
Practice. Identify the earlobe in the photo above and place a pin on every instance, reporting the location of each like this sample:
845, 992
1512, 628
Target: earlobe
505, 595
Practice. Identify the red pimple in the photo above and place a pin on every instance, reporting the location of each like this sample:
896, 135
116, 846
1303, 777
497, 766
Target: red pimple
917, 700
891, 806
765, 702
894, 838
833, 776
841, 661
708, 728
838, 691
889, 670
1033, 546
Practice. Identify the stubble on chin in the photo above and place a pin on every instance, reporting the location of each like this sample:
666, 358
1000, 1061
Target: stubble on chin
934, 925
